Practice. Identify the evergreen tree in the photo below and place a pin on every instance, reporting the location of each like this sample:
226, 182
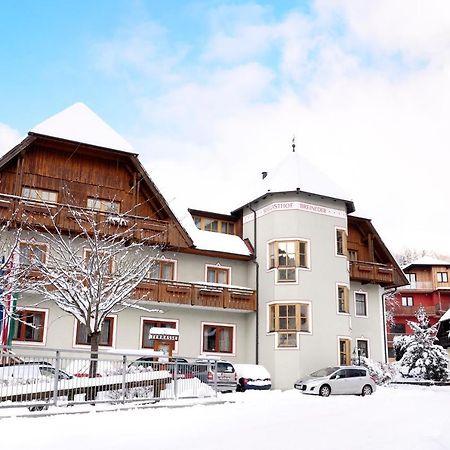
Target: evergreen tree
422, 358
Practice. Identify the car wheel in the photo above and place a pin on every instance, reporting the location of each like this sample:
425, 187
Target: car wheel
324, 390
366, 390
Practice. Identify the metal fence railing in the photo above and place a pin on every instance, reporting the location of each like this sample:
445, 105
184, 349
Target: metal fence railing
37, 378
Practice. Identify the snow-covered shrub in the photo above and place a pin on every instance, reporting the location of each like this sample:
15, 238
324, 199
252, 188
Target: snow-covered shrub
400, 345
381, 373
422, 358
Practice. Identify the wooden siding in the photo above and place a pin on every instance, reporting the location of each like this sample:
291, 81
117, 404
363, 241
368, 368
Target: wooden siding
196, 294
77, 173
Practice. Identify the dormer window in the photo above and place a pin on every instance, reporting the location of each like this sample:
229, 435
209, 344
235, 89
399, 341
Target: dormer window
103, 205
214, 225
39, 195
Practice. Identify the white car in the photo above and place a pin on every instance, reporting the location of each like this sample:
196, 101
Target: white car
337, 380
252, 376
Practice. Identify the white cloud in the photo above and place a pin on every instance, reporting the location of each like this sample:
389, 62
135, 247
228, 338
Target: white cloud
8, 138
337, 82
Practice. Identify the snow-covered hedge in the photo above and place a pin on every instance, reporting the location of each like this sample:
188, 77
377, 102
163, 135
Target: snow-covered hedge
381, 373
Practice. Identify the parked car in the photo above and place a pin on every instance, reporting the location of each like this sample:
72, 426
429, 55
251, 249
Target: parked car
252, 376
205, 370
31, 371
338, 380
181, 365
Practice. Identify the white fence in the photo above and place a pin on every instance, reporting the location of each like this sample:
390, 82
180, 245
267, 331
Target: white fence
36, 378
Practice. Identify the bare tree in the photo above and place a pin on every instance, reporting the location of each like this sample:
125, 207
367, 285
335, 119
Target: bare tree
93, 271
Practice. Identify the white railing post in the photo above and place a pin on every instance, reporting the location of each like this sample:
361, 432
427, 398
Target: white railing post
55, 386
175, 380
124, 377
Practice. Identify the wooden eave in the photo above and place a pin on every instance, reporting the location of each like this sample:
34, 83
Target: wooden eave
162, 205
213, 215
382, 253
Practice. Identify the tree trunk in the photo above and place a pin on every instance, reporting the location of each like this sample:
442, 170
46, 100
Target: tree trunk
91, 392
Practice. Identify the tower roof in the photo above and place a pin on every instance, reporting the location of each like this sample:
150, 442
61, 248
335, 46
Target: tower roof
79, 123
296, 174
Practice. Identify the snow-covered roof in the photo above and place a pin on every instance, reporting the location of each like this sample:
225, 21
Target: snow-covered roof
80, 124
296, 173
203, 240
427, 261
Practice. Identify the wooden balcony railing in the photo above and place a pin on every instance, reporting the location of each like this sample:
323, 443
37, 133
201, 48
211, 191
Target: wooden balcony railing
369, 272
391, 336
19, 209
411, 310
197, 294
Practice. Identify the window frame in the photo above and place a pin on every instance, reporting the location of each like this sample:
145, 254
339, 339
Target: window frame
274, 243
218, 267
43, 335
112, 340
407, 302
200, 223
363, 339
160, 261
145, 320
366, 295
346, 298
344, 242
348, 355
33, 243
38, 200
231, 326
272, 330
103, 201
111, 267
440, 278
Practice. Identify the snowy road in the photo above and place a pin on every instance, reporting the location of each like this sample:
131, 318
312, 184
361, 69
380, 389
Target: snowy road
393, 418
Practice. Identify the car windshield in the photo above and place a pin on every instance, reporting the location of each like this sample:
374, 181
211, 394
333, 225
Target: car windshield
324, 372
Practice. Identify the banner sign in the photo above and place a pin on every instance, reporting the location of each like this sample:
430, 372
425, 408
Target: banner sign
296, 206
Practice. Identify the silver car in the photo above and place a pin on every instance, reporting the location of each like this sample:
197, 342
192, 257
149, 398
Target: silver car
337, 380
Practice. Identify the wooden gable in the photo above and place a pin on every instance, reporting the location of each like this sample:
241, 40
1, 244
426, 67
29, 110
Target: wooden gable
76, 172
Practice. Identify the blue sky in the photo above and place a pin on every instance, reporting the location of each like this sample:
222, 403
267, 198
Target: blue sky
210, 93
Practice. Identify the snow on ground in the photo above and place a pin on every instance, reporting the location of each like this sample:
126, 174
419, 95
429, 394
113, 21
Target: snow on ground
408, 417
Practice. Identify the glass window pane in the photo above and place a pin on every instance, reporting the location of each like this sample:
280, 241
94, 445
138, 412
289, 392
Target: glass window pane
222, 276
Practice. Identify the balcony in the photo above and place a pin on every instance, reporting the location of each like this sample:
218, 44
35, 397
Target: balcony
391, 336
411, 310
19, 209
197, 294
369, 272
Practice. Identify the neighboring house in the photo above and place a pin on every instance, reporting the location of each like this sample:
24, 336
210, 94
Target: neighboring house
429, 287
290, 279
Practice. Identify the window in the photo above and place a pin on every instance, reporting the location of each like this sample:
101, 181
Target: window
287, 320
286, 256
147, 342
106, 333
32, 253
219, 275
398, 328
442, 277
360, 304
218, 338
353, 255
103, 263
341, 242
215, 225
407, 301
343, 303
411, 278
344, 351
162, 270
29, 326
39, 195
99, 204
362, 347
